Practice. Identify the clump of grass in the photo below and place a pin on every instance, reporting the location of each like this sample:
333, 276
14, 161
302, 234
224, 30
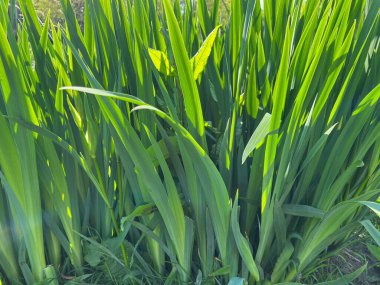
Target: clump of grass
171, 147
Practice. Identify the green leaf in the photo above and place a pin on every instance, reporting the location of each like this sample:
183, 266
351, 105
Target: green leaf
137, 212
257, 137
199, 60
221, 271
252, 101
290, 283
45, 33
242, 244
279, 98
374, 250
186, 78
236, 281
372, 230
282, 262
303, 211
161, 62
374, 206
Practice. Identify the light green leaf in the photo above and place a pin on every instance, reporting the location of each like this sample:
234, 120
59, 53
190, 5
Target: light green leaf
374, 206
186, 78
199, 60
257, 137
161, 62
372, 230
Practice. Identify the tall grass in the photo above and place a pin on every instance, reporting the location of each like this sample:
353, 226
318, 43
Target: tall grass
163, 147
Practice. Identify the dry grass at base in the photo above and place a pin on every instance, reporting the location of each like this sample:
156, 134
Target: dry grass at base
353, 258
346, 262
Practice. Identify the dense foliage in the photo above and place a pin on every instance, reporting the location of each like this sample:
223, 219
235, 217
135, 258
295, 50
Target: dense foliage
167, 148
54, 8
43, 7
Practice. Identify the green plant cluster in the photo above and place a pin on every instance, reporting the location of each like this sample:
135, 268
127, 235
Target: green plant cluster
166, 148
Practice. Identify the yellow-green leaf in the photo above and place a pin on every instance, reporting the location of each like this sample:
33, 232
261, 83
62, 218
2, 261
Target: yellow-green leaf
161, 62
199, 60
